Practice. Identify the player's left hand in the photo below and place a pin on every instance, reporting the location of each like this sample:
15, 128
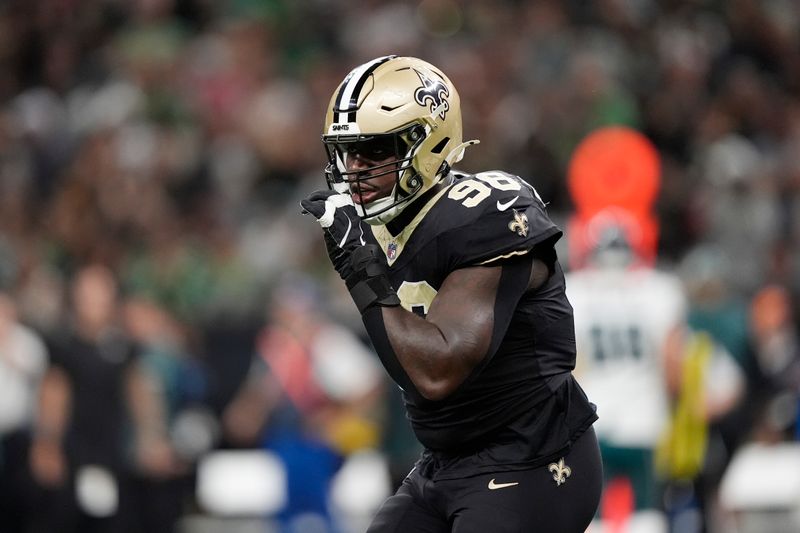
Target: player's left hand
337, 215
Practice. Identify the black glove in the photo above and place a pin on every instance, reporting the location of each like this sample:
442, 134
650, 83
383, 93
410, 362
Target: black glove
343, 233
362, 266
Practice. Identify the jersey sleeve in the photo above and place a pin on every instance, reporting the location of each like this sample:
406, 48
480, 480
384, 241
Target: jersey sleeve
507, 223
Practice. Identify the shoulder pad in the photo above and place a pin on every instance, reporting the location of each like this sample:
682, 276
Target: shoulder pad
497, 215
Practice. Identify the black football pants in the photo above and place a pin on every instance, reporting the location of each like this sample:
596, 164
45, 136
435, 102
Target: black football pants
522, 501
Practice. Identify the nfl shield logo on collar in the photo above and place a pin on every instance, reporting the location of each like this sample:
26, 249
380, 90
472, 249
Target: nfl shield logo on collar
391, 250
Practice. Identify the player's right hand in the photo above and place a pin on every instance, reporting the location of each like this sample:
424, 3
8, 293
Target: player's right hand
343, 232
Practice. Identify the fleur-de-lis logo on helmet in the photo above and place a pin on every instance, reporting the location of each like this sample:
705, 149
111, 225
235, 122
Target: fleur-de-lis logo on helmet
560, 471
433, 94
519, 224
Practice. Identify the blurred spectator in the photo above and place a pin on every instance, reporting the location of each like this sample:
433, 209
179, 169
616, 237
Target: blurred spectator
717, 308
714, 303
313, 396
23, 361
777, 351
159, 497
81, 453
705, 386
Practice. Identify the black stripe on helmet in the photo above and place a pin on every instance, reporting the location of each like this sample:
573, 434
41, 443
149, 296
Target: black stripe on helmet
352, 104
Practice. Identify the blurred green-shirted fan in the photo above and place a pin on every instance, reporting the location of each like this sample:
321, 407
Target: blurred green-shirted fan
393, 106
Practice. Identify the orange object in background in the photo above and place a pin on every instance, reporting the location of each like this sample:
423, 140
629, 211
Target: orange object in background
614, 172
614, 166
617, 505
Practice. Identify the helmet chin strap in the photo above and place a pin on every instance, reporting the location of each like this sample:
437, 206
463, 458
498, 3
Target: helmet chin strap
341, 187
378, 206
386, 208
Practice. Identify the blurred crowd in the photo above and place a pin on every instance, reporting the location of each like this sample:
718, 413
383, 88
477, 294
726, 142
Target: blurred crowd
162, 298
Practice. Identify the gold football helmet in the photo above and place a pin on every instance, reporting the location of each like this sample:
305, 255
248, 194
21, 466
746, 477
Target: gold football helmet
397, 106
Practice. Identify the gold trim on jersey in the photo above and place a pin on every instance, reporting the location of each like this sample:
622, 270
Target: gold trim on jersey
504, 256
397, 243
416, 296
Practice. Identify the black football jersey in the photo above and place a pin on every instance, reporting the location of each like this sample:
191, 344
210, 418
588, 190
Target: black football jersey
491, 218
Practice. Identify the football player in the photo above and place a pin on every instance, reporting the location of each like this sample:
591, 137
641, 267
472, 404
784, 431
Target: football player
462, 295
627, 315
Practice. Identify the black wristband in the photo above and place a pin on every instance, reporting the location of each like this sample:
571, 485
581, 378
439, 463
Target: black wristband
368, 283
374, 291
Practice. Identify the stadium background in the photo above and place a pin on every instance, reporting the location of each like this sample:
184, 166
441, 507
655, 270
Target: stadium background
171, 140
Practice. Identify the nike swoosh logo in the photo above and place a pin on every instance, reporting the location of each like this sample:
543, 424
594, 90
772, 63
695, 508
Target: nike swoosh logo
346, 233
495, 486
506, 205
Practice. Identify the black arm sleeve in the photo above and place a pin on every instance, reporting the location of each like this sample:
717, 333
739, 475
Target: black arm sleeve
376, 329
